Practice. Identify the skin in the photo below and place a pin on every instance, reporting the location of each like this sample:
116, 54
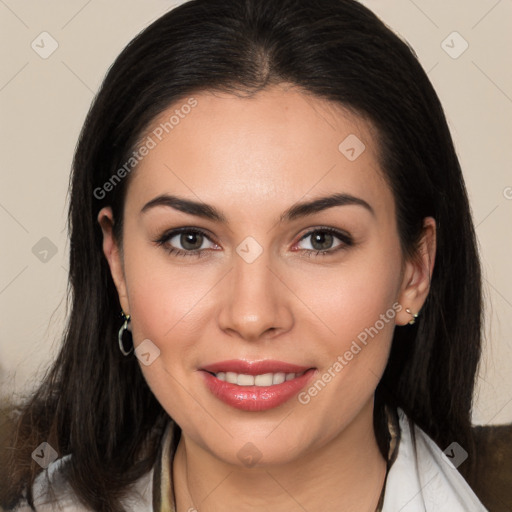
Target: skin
252, 158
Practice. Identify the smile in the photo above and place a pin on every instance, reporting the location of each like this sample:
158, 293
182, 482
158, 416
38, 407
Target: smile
256, 386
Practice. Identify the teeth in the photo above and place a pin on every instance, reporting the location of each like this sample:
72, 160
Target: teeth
245, 380
231, 377
279, 378
265, 379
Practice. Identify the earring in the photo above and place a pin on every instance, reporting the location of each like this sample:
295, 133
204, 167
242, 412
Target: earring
414, 316
125, 332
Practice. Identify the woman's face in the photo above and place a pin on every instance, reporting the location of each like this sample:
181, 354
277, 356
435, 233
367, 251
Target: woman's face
315, 289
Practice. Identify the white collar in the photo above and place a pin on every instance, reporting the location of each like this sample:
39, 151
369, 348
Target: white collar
425, 481
418, 481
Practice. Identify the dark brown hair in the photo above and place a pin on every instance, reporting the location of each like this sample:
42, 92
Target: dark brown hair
94, 403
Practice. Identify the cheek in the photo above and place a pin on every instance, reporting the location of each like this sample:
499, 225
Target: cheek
356, 303
351, 297
167, 307
165, 300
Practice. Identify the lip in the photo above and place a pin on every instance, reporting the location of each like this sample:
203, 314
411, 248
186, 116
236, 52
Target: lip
255, 398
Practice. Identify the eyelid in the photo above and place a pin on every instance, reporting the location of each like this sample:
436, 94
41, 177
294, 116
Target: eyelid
345, 238
168, 235
335, 231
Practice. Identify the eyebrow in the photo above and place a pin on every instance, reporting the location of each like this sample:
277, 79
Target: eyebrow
296, 211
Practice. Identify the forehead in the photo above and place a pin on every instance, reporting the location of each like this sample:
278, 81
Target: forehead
275, 147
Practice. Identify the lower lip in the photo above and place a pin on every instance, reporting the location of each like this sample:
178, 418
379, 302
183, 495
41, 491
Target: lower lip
256, 398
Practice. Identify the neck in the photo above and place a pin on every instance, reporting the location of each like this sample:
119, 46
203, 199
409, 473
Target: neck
346, 474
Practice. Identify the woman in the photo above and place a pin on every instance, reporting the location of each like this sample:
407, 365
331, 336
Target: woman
276, 288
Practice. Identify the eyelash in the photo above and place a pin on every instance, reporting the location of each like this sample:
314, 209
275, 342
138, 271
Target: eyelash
345, 238
164, 239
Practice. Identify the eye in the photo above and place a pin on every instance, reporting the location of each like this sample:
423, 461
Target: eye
195, 242
185, 242
323, 241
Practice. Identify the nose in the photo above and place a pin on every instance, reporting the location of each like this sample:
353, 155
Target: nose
256, 305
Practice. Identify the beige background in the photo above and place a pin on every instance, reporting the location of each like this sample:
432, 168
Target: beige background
43, 103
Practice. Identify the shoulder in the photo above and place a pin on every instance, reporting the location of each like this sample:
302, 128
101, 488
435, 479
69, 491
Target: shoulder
422, 477
52, 492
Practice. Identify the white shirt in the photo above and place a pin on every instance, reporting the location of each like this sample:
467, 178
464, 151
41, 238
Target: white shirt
425, 481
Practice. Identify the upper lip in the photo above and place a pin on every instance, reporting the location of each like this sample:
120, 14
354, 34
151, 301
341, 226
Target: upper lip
254, 367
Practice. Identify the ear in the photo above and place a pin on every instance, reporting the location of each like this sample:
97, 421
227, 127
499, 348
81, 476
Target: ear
418, 274
114, 255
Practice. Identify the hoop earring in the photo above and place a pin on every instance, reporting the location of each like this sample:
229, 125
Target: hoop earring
125, 332
414, 316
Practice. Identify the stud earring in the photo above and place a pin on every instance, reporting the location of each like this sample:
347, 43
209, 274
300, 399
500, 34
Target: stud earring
414, 316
